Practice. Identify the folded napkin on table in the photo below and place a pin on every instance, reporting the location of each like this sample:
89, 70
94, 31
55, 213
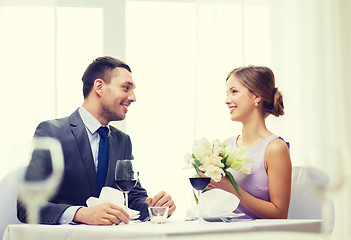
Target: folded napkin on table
113, 196
216, 203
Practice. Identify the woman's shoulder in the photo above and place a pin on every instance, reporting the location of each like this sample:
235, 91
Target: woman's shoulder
278, 151
231, 141
278, 145
226, 141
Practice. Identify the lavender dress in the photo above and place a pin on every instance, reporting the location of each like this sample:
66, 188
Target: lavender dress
255, 183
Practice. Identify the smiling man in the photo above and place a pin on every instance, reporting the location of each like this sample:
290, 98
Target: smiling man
108, 90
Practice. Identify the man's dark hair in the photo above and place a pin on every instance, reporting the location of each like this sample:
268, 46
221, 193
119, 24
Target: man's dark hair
100, 68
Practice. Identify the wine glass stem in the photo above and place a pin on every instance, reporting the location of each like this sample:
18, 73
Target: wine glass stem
126, 201
33, 214
200, 208
327, 214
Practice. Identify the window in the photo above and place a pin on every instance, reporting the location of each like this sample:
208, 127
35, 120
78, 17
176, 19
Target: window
79, 42
161, 53
44, 52
180, 54
26, 76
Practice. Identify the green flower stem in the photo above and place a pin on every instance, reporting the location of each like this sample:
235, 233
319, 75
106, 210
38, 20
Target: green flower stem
196, 200
233, 181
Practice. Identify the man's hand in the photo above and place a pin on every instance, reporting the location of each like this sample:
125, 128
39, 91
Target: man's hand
162, 199
103, 214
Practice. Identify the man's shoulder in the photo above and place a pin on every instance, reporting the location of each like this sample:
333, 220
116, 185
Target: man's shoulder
118, 133
54, 126
55, 123
59, 122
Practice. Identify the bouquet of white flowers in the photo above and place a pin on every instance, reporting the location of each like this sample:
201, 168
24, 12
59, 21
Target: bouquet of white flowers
214, 159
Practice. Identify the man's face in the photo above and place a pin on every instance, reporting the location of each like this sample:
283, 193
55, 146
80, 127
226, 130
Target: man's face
117, 95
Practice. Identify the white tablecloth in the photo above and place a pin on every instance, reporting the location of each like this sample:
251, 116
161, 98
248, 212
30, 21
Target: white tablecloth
148, 230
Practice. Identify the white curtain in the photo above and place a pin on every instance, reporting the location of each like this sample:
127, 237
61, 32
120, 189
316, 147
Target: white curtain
26, 75
311, 50
42, 59
314, 56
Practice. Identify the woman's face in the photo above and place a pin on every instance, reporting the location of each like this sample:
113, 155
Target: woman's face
240, 101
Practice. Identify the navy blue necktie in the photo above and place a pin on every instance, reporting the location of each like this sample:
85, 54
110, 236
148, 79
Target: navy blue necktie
102, 158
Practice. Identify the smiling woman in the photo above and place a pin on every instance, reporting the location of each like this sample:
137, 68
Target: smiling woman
252, 97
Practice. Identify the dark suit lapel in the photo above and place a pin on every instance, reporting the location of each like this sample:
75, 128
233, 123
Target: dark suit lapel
113, 156
79, 132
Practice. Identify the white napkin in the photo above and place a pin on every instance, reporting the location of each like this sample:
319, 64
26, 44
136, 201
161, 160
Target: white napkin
113, 196
216, 203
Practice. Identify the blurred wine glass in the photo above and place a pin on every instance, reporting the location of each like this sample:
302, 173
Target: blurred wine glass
38, 180
126, 178
325, 175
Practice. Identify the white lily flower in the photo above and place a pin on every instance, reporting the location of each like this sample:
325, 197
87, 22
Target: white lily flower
201, 149
216, 173
214, 159
239, 159
188, 160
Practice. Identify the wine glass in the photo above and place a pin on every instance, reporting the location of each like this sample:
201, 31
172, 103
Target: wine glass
38, 181
200, 184
325, 175
126, 178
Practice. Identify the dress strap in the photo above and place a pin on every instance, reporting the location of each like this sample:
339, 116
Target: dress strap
287, 143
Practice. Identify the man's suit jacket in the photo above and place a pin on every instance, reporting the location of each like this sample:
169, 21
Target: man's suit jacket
79, 178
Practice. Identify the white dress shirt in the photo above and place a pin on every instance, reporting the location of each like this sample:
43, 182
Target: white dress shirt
92, 125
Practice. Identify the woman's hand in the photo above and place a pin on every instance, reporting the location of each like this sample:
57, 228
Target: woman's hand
224, 184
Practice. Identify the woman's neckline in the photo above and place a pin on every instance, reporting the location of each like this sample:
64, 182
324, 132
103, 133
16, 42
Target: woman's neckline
254, 145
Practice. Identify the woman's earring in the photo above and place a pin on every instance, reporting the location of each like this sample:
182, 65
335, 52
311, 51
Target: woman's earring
256, 104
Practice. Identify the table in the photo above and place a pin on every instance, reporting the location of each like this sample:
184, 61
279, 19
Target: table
170, 230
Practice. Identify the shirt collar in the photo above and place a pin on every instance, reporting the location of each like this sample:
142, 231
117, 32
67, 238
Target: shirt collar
91, 123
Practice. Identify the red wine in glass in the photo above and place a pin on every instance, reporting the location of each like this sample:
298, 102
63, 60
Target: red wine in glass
126, 185
200, 183
126, 177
